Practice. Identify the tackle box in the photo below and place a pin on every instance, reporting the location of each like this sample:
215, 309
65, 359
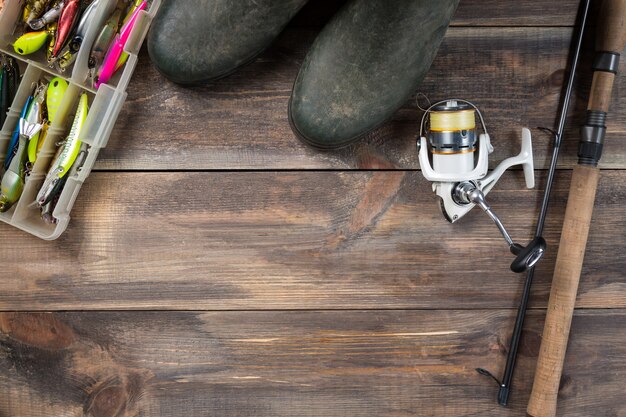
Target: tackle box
105, 105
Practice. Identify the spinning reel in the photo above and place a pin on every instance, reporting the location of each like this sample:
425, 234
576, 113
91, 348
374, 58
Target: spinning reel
459, 169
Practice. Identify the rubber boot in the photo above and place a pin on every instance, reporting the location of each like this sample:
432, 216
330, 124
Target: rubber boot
363, 66
198, 41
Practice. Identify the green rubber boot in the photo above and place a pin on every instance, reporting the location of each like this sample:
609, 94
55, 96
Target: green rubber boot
197, 41
363, 66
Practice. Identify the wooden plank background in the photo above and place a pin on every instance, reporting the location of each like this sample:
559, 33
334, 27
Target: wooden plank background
216, 266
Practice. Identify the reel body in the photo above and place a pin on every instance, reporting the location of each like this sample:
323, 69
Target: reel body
459, 169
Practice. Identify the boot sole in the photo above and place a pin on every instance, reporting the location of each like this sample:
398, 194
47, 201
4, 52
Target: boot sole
316, 145
212, 79
319, 147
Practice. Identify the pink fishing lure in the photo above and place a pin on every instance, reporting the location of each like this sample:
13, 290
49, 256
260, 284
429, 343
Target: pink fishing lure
115, 51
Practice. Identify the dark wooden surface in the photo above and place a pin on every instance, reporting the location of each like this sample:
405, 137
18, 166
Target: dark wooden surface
515, 75
315, 240
217, 267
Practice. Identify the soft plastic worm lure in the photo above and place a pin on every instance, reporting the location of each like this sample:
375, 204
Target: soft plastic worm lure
67, 156
50, 16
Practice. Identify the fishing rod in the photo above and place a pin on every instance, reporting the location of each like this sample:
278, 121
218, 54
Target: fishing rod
610, 41
505, 383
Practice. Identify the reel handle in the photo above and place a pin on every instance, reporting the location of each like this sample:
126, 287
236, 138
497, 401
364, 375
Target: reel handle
527, 256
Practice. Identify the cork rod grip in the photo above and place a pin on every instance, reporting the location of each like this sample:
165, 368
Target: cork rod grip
611, 38
543, 398
611, 32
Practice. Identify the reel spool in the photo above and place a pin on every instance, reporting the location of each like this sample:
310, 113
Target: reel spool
460, 164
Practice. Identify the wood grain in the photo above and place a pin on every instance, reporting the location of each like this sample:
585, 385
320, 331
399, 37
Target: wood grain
469, 13
349, 244
522, 13
319, 363
514, 74
299, 240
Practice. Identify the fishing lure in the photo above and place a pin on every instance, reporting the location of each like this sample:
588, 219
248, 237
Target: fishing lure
66, 58
16, 135
54, 96
105, 39
115, 51
47, 209
67, 157
42, 136
49, 191
134, 4
35, 115
48, 204
13, 179
38, 7
50, 16
28, 8
30, 42
81, 30
52, 35
8, 85
124, 56
69, 53
67, 21
4, 93
14, 78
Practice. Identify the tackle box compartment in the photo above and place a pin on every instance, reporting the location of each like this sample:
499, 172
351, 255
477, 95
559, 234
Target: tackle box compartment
105, 105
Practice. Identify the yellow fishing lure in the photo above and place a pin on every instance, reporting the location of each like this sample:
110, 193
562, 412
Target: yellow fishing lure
30, 43
54, 97
72, 145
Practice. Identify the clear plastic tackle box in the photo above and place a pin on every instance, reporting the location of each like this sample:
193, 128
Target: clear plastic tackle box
105, 105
